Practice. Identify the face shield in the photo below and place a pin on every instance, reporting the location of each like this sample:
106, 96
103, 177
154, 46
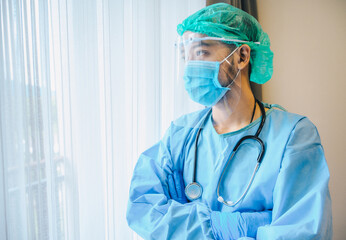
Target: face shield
207, 69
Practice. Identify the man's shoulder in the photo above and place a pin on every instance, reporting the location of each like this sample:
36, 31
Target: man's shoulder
284, 117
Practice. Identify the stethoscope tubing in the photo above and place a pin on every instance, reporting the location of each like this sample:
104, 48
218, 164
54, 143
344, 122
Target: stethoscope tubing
259, 159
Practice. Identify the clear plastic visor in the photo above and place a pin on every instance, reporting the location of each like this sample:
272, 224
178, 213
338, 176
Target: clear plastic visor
220, 55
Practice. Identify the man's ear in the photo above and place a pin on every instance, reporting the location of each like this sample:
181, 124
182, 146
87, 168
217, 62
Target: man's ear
244, 56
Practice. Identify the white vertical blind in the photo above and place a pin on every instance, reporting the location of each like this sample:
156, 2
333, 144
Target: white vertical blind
37, 180
85, 87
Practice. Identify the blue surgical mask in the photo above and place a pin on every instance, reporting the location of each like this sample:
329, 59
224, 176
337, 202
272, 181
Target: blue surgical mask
202, 81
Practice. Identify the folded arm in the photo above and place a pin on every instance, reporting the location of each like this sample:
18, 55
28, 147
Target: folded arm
152, 213
225, 225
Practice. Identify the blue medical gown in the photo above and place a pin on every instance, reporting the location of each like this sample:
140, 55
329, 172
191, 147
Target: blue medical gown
292, 180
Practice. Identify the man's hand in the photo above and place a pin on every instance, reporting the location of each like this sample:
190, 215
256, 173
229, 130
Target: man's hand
176, 187
234, 225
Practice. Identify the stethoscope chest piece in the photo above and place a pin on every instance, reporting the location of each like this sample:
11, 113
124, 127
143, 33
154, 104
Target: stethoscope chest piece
193, 191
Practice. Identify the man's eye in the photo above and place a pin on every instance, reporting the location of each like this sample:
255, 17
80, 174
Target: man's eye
201, 53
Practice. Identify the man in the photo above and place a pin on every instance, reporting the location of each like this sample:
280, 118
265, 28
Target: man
238, 169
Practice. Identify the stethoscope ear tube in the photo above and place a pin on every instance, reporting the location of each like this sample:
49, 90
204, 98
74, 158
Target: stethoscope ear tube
263, 113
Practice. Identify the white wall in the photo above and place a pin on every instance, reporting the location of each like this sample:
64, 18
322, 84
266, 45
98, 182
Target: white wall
308, 40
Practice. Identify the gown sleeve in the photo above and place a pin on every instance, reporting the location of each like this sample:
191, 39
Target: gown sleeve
150, 212
301, 199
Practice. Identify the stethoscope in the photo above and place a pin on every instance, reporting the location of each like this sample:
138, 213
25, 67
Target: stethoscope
194, 190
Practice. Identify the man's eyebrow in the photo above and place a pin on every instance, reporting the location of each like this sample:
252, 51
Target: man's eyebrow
202, 43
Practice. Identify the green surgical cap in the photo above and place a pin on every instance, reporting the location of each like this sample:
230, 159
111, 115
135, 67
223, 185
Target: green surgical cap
225, 21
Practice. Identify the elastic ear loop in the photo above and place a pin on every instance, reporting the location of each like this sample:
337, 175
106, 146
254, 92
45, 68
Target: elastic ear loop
233, 79
230, 64
229, 56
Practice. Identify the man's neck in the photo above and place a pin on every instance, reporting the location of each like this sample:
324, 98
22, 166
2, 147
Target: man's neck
230, 114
